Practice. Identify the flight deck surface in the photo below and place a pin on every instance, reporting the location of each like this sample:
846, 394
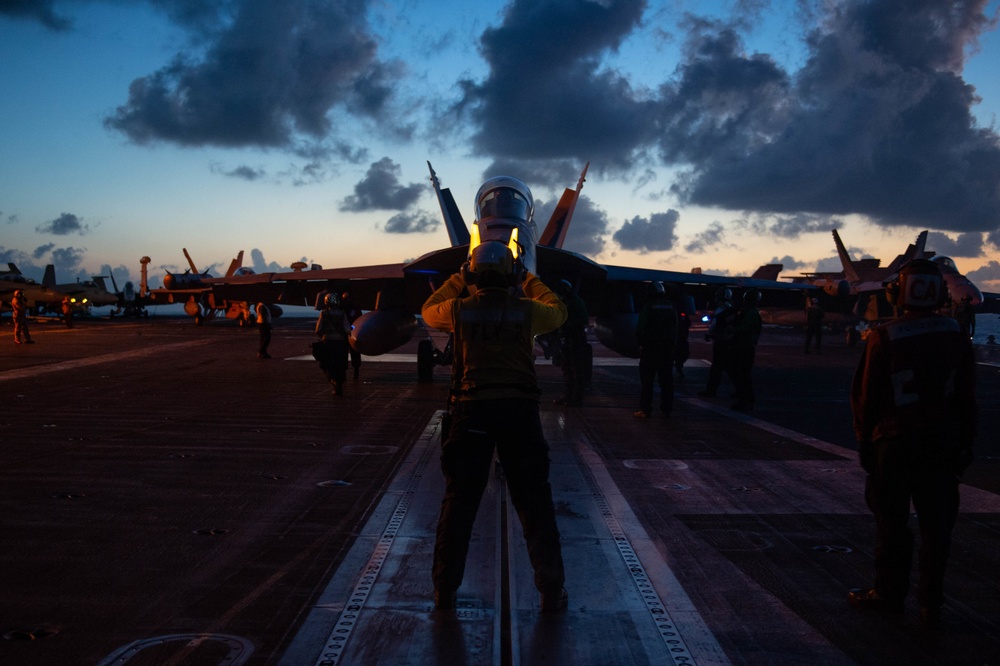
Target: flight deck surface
167, 498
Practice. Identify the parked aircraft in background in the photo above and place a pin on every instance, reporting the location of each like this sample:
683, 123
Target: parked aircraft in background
38, 296
392, 294
48, 296
82, 294
193, 288
856, 294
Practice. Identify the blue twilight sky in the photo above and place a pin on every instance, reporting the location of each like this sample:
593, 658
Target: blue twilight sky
721, 134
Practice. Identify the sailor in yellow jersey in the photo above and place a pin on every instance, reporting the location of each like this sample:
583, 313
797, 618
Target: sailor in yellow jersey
494, 406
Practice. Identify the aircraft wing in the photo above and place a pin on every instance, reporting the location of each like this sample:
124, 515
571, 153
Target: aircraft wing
302, 287
632, 274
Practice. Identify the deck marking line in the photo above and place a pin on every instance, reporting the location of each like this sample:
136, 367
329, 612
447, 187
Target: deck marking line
343, 628
676, 647
23, 373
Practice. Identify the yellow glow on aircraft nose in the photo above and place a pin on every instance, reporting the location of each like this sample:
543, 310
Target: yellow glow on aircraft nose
474, 239
513, 244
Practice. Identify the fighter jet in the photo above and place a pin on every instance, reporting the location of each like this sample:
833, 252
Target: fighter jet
858, 291
194, 289
392, 294
48, 296
82, 294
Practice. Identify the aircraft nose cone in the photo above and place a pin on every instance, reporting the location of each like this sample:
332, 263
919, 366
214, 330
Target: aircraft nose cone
169, 281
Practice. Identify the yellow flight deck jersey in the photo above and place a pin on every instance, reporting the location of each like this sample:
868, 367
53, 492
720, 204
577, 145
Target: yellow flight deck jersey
494, 336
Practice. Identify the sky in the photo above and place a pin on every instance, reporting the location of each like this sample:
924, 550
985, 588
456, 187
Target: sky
721, 134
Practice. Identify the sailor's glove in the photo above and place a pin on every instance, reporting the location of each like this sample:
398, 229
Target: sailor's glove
867, 456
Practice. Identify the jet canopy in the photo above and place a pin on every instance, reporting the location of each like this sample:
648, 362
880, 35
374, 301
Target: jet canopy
505, 198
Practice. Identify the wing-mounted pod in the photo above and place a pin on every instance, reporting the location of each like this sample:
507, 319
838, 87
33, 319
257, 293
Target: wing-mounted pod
389, 326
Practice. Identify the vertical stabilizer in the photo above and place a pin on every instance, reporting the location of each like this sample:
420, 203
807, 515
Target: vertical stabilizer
235, 265
845, 259
767, 272
915, 250
458, 232
921, 245
49, 278
190, 262
554, 234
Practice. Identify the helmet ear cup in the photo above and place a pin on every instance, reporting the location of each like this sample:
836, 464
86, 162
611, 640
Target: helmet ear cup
468, 275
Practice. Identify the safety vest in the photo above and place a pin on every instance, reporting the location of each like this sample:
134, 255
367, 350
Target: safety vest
494, 347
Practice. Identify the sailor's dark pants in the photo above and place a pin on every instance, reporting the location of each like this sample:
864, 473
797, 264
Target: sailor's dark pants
656, 362
908, 469
512, 427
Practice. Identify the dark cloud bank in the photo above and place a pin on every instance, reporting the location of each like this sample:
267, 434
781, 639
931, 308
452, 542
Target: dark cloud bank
876, 122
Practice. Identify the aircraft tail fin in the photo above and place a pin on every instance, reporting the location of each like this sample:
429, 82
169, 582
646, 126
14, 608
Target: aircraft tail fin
13, 268
187, 256
458, 232
915, 250
921, 245
554, 234
767, 272
235, 265
845, 259
114, 285
49, 278
99, 281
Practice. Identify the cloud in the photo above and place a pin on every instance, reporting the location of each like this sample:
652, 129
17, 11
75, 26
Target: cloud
64, 225
242, 172
380, 190
547, 95
43, 250
713, 235
537, 174
788, 226
12, 256
988, 272
260, 265
120, 275
877, 122
788, 263
411, 223
587, 229
267, 73
966, 245
67, 262
656, 234
38, 10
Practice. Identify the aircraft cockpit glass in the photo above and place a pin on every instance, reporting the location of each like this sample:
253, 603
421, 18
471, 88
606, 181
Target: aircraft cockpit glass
946, 263
504, 203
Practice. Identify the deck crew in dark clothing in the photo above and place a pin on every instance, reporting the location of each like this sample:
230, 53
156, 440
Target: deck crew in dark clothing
657, 334
914, 405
